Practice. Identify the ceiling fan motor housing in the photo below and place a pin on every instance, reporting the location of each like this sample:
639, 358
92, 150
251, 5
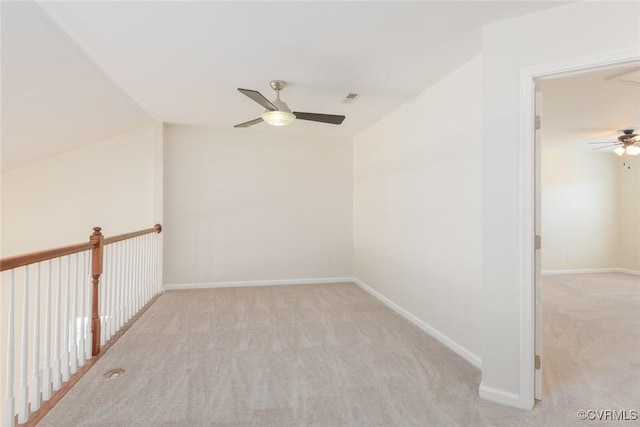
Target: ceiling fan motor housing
277, 85
628, 137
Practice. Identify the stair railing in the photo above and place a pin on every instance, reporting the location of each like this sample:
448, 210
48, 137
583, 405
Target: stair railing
66, 304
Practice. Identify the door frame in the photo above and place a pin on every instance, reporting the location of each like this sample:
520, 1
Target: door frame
528, 171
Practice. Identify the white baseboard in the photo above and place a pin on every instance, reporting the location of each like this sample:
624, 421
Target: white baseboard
257, 283
627, 271
503, 397
460, 350
591, 271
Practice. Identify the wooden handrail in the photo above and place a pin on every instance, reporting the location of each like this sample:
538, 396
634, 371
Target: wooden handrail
155, 229
33, 257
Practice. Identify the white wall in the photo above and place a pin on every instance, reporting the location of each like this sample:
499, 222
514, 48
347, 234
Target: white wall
590, 211
548, 36
56, 201
579, 210
418, 207
238, 202
629, 213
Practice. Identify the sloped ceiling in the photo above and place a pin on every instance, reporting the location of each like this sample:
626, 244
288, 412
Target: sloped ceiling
77, 72
54, 98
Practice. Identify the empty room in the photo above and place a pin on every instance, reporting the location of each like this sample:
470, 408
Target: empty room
590, 229
318, 213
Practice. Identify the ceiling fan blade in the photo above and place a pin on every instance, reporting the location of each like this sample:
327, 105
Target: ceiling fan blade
259, 98
249, 123
323, 118
608, 142
605, 146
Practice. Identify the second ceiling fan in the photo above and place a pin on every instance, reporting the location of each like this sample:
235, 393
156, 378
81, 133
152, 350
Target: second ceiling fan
278, 112
627, 143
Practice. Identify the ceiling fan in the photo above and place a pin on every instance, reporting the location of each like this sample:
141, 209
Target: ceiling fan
278, 112
627, 143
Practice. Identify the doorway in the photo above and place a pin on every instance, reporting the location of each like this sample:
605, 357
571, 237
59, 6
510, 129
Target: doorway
526, 187
589, 228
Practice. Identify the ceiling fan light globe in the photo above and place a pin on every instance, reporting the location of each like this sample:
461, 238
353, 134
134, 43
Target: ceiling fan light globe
633, 150
619, 151
278, 118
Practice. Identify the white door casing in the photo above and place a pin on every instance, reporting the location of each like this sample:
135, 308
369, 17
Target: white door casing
527, 208
538, 242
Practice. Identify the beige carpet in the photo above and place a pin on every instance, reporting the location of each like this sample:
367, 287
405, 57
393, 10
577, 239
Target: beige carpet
592, 341
332, 355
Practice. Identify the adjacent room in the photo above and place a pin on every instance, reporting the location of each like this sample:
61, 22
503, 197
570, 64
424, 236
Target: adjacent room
315, 213
590, 231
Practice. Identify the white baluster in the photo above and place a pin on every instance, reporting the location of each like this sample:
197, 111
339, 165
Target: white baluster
156, 263
46, 370
64, 327
23, 390
134, 277
121, 283
55, 368
159, 262
82, 345
34, 386
9, 402
88, 334
57, 383
145, 269
138, 275
130, 272
73, 333
123, 286
111, 290
104, 283
140, 280
154, 267
149, 267
118, 296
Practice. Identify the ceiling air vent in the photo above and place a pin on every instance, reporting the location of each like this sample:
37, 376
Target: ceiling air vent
350, 98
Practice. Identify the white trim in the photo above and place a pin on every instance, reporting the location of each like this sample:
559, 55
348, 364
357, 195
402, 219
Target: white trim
591, 271
627, 271
444, 339
239, 284
501, 396
526, 221
526, 198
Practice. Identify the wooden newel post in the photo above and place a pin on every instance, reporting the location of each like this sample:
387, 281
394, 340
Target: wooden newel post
96, 261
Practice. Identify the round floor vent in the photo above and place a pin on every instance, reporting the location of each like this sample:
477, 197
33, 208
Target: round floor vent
113, 373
